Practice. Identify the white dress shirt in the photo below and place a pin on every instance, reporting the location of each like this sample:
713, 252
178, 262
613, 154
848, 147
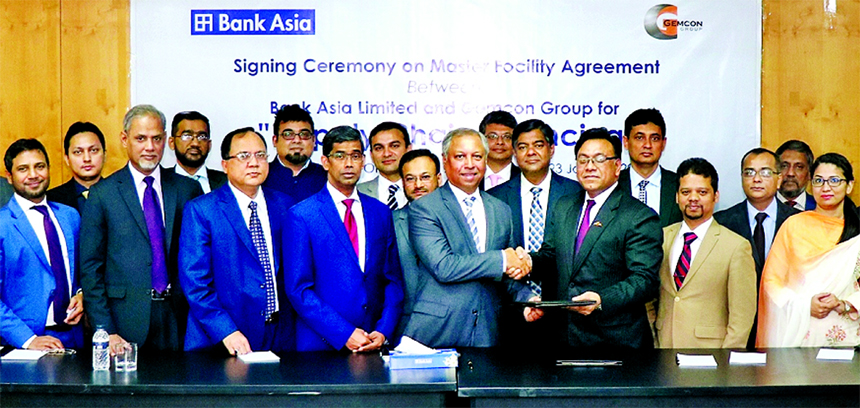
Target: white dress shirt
357, 212
140, 185
526, 198
769, 223
678, 244
36, 220
202, 176
263, 214
504, 175
598, 203
383, 183
652, 189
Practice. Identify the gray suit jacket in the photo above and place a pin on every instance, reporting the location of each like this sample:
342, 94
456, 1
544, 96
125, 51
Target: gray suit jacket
115, 253
456, 298
409, 262
370, 187
6, 192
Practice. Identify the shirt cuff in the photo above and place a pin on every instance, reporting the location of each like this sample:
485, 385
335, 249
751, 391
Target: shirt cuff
27, 343
504, 262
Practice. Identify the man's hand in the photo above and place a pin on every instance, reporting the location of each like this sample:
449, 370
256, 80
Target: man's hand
532, 313
377, 340
45, 343
236, 343
358, 339
76, 310
115, 341
586, 310
822, 304
518, 263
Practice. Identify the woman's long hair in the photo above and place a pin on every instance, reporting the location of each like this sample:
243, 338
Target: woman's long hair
849, 210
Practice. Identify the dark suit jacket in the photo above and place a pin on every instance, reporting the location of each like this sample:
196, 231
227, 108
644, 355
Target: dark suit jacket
457, 295
509, 193
670, 213
115, 253
515, 173
619, 260
66, 194
222, 276
27, 282
216, 178
331, 294
736, 218
309, 182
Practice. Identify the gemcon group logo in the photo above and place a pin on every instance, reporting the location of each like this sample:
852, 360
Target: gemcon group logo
662, 23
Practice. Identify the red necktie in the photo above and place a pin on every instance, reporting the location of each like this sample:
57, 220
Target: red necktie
684, 261
351, 227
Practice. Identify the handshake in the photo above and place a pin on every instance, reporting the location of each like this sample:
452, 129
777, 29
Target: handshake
519, 263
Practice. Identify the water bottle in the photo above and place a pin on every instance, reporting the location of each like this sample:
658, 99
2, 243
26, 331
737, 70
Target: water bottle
101, 353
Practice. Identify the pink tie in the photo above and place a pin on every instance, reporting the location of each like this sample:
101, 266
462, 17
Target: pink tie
349, 222
494, 180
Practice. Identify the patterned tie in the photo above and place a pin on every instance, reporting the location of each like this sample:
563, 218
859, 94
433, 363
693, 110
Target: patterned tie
536, 221
392, 200
585, 225
791, 203
643, 196
155, 228
350, 224
758, 234
58, 266
259, 239
684, 261
470, 220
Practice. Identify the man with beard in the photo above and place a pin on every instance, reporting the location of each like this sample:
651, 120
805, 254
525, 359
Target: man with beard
40, 299
130, 238
85, 155
795, 158
191, 142
292, 171
707, 278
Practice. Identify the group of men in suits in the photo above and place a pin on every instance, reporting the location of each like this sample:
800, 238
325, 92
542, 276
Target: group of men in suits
294, 255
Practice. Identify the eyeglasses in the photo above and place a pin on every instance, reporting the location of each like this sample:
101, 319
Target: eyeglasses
188, 136
246, 156
290, 135
410, 179
341, 156
495, 136
764, 173
832, 181
599, 159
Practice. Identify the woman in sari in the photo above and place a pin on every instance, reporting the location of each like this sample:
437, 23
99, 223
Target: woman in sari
809, 288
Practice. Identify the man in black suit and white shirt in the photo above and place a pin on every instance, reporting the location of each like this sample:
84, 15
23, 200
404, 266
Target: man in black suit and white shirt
191, 141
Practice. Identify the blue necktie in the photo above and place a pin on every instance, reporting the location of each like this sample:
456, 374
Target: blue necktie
58, 266
392, 198
536, 221
259, 239
155, 228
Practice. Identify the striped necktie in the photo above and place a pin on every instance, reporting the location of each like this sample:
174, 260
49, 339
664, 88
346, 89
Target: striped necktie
643, 195
470, 220
684, 261
392, 198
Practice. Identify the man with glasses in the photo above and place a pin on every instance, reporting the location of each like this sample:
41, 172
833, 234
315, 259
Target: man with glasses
795, 160
190, 140
292, 171
760, 215
84, 146
498, 127
341, 265
230, 257
604, 246
645, 139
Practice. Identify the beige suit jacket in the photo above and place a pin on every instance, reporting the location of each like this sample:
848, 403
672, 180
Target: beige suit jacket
716, 304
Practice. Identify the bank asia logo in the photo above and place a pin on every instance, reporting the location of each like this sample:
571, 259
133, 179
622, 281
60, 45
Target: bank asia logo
662, 23
253, 22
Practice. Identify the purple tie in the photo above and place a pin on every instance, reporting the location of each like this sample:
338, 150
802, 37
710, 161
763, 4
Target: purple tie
155, 228
585, 225
58, 266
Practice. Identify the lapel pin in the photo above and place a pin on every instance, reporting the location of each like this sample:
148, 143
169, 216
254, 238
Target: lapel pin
597, 224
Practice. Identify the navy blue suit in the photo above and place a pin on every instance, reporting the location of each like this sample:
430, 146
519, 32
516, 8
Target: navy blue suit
325, 284
27, 283
222, 276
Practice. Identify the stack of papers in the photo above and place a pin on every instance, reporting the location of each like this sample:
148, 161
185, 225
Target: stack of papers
835, 354
260, 357
695, 360
744, 358
24, 355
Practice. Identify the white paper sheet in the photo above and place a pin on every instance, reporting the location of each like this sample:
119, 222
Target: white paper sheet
24, 355
260, 357
835, 354
695, 360
747, 358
